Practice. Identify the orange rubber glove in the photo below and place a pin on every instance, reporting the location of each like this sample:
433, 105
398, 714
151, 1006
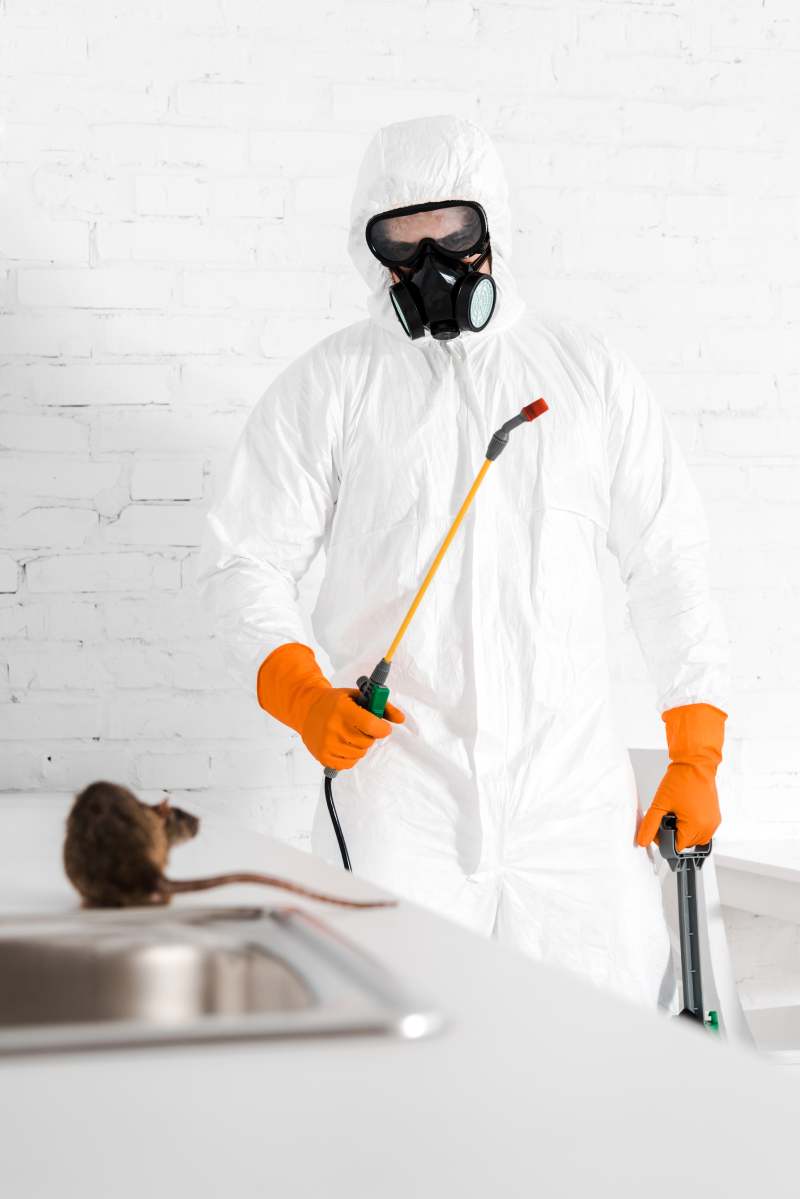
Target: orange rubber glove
293, 689
694, 737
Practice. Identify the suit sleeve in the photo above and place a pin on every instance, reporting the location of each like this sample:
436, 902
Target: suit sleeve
659, 533
272, 512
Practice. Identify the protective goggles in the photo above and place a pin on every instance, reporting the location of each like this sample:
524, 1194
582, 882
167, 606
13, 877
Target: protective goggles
456, 228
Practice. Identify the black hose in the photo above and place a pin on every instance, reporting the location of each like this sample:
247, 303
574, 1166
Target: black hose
337, 828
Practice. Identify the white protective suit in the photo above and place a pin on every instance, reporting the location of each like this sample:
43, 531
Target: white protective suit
507, 800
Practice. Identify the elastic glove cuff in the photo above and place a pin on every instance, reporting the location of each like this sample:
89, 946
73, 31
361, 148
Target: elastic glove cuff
695, 735
289, 682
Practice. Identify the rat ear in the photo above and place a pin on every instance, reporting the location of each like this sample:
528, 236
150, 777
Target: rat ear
163, 809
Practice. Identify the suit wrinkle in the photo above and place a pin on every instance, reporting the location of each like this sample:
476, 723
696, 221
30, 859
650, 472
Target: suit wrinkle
507, 801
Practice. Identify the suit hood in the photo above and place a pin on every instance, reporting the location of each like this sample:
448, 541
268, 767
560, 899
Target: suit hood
420, 161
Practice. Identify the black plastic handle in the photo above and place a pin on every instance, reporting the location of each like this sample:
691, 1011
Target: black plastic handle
666, 845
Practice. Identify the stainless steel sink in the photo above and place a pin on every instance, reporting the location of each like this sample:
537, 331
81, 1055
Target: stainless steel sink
144, 976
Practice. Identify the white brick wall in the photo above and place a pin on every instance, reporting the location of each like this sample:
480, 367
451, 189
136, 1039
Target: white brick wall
173, 211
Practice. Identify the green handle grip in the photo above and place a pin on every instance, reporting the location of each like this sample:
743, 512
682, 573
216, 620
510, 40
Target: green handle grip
373, 696
376, 703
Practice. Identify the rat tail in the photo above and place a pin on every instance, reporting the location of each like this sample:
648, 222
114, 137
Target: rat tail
179, 886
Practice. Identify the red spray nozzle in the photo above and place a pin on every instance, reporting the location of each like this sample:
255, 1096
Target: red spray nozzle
500, 438
534, 409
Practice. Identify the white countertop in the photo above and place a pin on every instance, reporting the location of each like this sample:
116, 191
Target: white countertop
780, 859
541, 1083
761, 877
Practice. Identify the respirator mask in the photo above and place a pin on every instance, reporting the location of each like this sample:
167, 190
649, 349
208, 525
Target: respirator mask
425, 245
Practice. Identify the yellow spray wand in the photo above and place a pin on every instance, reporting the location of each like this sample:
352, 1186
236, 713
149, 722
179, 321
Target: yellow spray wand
374, 692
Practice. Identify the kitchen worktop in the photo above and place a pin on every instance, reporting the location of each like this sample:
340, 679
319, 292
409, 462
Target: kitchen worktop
540, 1083
778, 859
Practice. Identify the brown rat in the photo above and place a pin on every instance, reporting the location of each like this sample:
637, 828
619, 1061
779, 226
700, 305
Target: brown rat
116, 851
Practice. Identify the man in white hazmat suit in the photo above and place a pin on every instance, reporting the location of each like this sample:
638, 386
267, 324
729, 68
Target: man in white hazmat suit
505, 798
